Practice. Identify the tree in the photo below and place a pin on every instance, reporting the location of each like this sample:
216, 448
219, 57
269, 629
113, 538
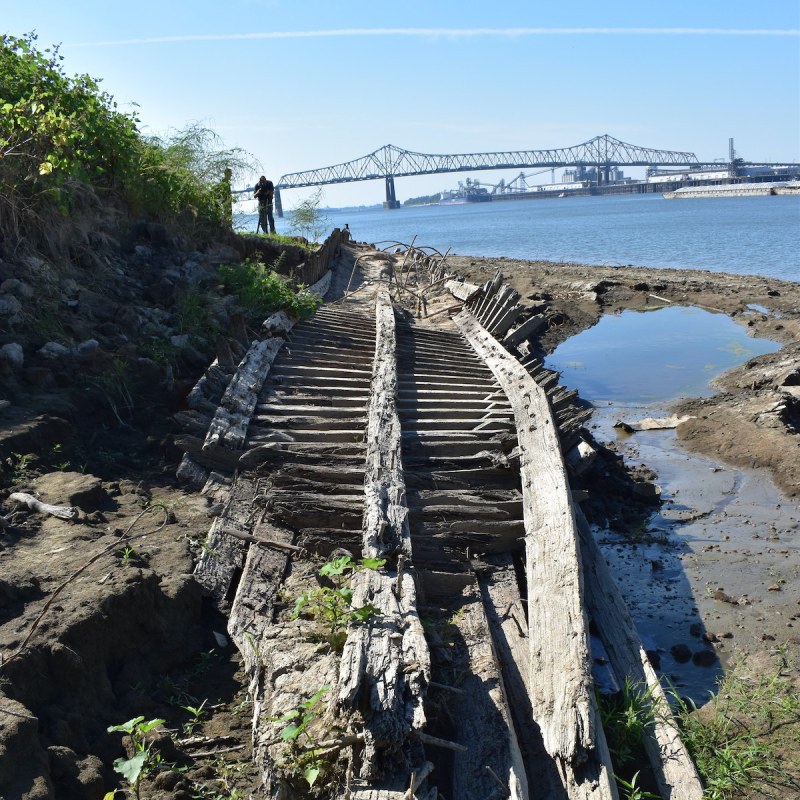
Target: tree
306, 219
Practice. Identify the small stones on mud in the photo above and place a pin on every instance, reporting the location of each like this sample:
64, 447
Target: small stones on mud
681, 653
704, 658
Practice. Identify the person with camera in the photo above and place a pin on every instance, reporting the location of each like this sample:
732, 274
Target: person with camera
264, 193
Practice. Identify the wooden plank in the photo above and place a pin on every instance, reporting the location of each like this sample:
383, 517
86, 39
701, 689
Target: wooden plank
385, 665
480, 714
228, 428
528, 328
559, 677
385, 512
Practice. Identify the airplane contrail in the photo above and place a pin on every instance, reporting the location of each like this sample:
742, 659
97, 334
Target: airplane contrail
453, 33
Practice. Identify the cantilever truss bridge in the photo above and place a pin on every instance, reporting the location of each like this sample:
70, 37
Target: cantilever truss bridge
390, 162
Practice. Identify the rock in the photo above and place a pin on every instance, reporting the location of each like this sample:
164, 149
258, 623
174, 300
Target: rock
654, 658
704, 658
87, 350
277, 324
9, 307
54, 351
775, 587
20, 289
681, 653
12, 355
72, 489
696, 629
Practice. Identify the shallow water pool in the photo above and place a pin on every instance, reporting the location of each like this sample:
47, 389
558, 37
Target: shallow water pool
654, 356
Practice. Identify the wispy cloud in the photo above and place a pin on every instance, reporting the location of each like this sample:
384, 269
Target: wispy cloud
451, 33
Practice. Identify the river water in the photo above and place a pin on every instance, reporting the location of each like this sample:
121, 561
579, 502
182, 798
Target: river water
756, 235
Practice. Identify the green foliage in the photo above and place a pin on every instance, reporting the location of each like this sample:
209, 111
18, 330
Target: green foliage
63, 141
332, 606
262, 290
306, 219
628, 717
53, 127
142, 761
197, 713
185, 178
303, 756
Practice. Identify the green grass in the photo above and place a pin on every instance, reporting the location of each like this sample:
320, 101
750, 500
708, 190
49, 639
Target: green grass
745, 741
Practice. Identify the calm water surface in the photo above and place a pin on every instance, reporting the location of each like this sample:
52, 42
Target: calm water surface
654, 357
758, 235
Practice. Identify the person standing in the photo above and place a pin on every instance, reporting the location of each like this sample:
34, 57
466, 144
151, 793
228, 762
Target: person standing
264, 193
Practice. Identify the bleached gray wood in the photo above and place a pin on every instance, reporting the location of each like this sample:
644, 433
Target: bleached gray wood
673, 767
228, 428
385, 665
528, 328
62, 512
480, 715
559, 678
385, 512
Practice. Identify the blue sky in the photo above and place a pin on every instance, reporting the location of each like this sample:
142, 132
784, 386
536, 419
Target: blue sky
309, 83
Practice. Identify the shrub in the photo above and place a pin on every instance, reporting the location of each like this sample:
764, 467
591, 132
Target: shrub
262, 290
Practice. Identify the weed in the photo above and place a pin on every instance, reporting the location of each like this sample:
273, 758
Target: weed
128, 554
197, 713
332, 606
143, 761
261, 290
302, 747
115, 385
737, 740
630, 790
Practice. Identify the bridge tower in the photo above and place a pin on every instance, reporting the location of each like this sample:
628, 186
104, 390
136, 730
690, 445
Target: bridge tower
278, 204
391, 197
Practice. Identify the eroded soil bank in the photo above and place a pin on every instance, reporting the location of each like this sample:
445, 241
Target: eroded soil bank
131, 634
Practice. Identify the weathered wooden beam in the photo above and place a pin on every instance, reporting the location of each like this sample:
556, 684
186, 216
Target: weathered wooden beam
229, 426
559, 679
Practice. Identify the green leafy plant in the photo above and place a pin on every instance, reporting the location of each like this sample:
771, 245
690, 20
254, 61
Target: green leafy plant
631, 791
739, 740
197, 713
303, 755
261, 290
332, 605
127, 556
143, 760
306, 218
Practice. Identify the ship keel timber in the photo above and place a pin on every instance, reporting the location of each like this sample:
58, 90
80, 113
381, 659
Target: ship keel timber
439, 452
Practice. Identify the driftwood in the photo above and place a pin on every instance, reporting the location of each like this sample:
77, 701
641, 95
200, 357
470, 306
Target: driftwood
385, 511
559, 678
62, 512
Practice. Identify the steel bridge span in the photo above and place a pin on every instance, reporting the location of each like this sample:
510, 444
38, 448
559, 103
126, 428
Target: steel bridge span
390, 162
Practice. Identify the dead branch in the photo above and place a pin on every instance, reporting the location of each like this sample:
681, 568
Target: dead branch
62, 512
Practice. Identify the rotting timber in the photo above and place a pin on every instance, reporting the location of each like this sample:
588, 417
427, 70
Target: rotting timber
436, 450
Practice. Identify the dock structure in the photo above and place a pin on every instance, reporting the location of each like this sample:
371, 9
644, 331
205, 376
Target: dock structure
402, 565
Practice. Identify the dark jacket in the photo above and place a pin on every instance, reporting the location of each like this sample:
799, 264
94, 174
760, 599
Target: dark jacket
264, 192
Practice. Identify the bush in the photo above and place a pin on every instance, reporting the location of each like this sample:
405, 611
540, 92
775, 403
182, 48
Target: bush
262, 290
63, 143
